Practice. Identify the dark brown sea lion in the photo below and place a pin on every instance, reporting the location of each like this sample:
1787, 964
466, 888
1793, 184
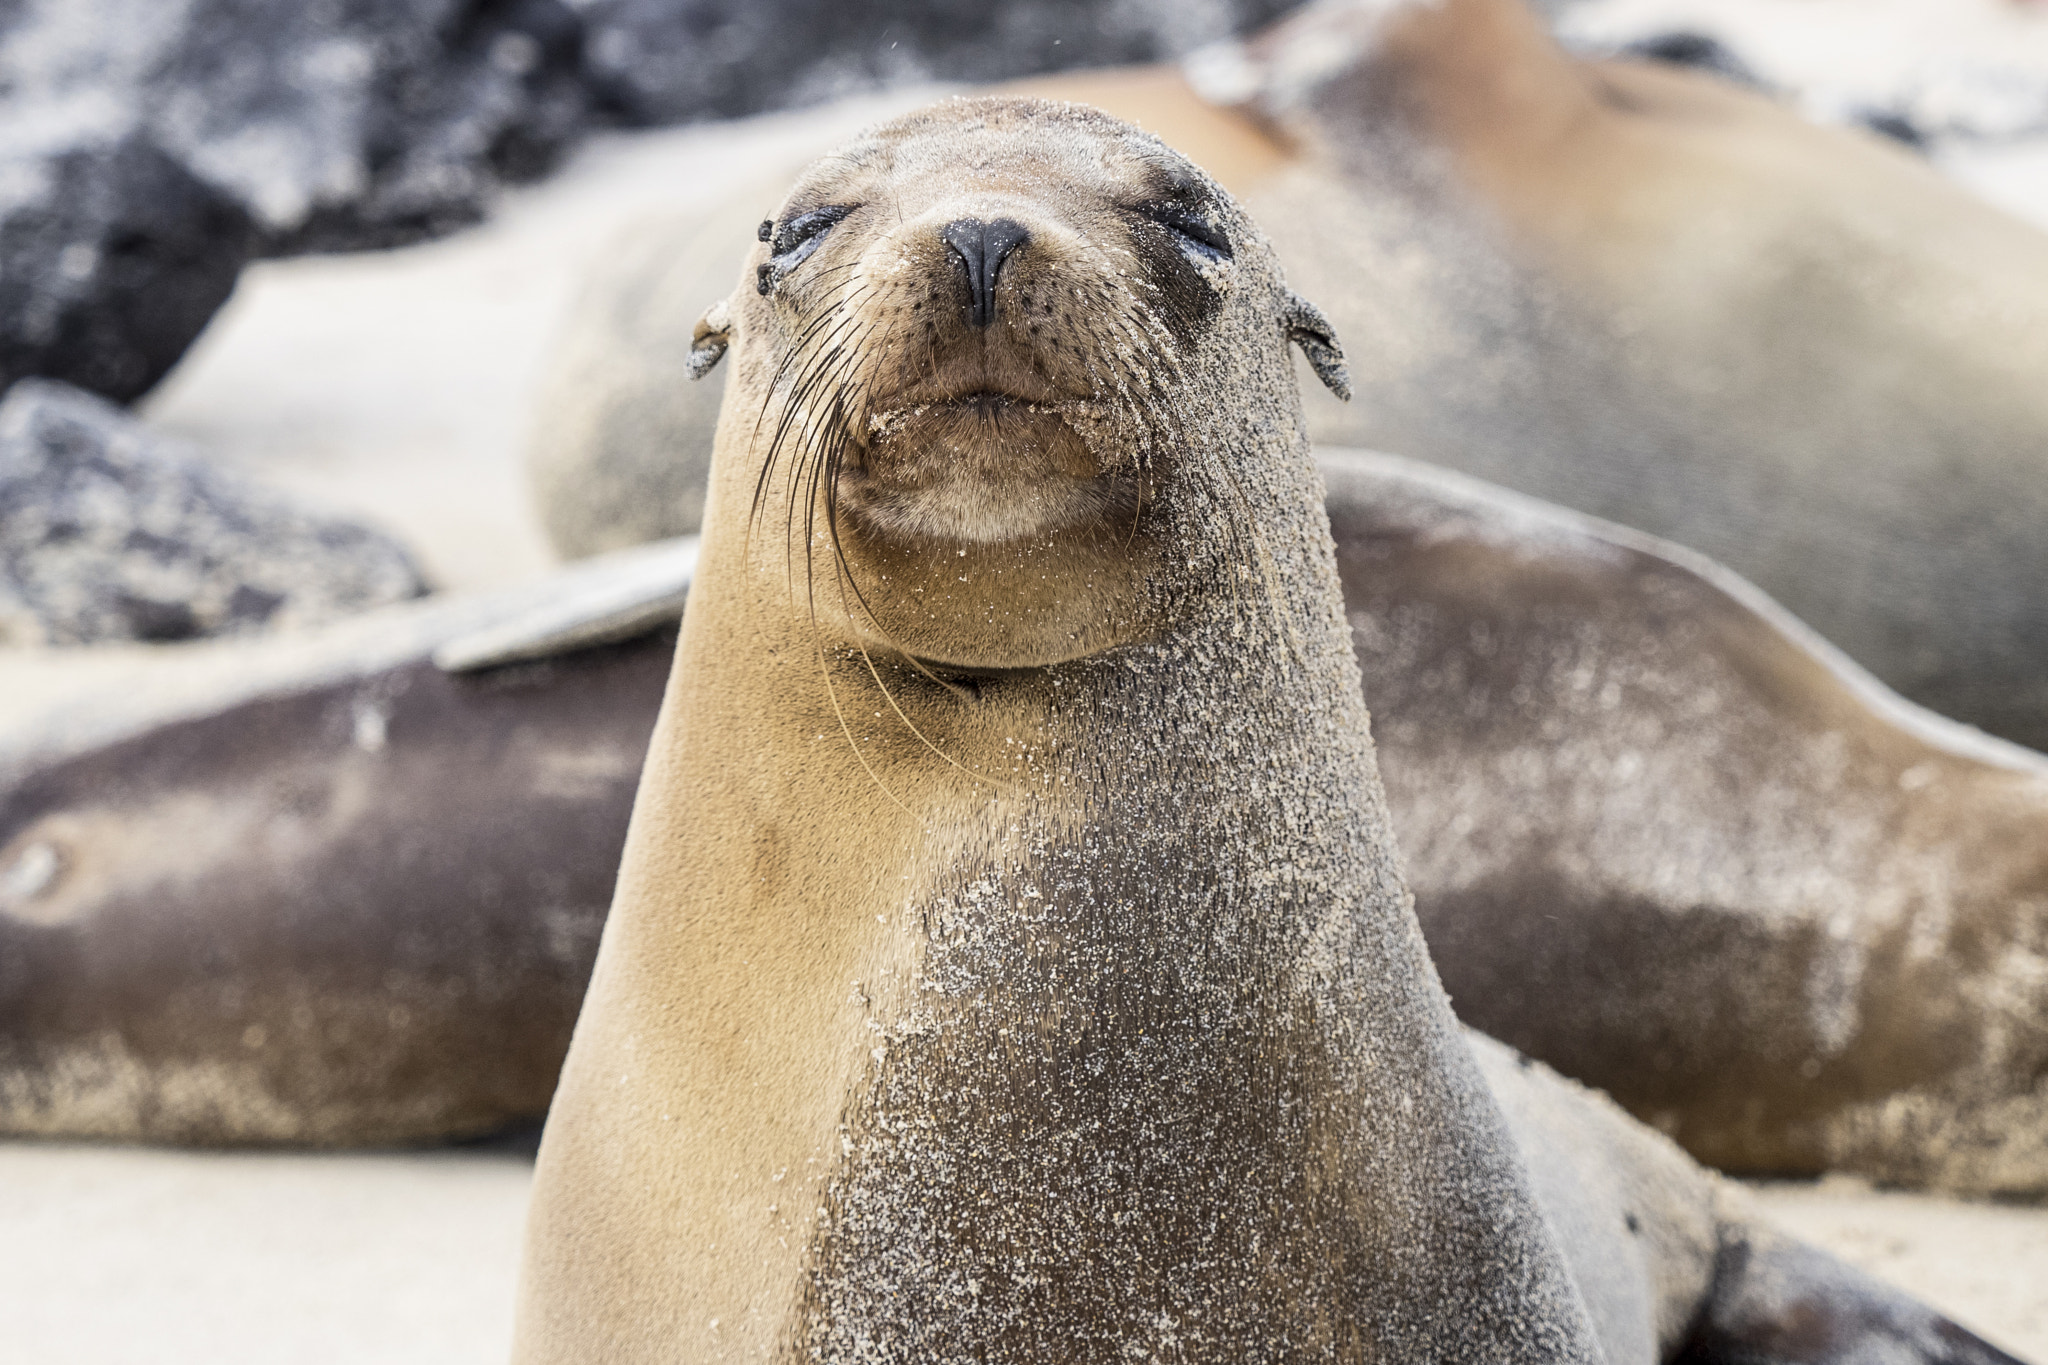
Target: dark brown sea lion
1669, 841
1011, 960
1659, 835
316, 889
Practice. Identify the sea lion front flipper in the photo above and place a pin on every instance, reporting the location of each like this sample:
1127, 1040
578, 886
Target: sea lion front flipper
708, 342
649, 592
1309, 329
1776, 1301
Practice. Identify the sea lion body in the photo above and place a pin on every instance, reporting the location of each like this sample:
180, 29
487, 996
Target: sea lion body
1011, 959
1637, 291
1664, 838
313, 888
1653, 296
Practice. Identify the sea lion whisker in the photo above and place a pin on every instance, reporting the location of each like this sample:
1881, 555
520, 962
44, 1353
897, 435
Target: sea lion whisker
798, 354
825, 672
823, 463
796, 416
910, 725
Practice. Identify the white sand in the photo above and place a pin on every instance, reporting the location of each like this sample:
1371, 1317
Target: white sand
112, 1256
396, 385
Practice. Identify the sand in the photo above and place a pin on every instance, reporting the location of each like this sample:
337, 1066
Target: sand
111, 1256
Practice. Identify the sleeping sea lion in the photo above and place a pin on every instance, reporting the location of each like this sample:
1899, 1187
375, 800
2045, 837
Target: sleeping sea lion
1011, 960
1666, 839
333, 887
1638, 802
1653, 296
1632, 289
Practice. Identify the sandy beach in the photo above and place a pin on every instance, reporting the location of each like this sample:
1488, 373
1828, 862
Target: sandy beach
110, 1256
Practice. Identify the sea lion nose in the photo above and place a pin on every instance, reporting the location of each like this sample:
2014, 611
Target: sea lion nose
982, 249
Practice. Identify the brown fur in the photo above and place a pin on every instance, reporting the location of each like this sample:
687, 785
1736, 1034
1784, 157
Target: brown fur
814, 943
1011, 961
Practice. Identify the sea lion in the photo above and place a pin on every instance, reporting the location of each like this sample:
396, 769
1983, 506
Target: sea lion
1010, 959
316, 888
1701, 801
1636, 290
1656, 297
1664, 838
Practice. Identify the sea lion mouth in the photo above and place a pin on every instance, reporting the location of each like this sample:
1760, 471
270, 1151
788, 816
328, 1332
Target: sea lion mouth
985, 467
987, 405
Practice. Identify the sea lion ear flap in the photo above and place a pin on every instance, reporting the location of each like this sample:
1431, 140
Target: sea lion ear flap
1307, 328
708, 342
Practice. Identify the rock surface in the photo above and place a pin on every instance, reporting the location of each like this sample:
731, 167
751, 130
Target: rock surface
666, 61
153, 146
112, 256
108, 532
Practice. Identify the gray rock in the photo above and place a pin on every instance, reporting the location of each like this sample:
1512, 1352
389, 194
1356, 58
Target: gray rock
153, 146
110, 532
112, 258
331, 122
663, 61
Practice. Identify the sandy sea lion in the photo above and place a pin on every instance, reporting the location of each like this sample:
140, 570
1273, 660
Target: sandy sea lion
1010, 960
316, 888
1629, 288
1637, 801
1665, 839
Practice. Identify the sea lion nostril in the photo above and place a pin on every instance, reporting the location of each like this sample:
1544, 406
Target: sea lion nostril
982, 248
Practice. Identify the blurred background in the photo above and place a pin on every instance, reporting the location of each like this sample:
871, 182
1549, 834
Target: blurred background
284, 287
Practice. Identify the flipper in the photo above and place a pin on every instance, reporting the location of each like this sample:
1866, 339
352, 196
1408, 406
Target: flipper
646, 590
1776, 1301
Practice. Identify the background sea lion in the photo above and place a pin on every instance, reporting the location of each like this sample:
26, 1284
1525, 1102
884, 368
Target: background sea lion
315, 888
1670, 302
1669, 841
1659, 835
1600, 750
1010, 959
1634, 290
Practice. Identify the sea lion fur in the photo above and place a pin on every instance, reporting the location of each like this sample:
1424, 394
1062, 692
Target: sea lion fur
1011, 959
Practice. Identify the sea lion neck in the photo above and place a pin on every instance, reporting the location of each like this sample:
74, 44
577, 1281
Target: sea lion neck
1128, 986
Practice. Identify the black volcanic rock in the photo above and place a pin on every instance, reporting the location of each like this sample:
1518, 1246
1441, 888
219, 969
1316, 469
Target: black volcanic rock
668, 61
148, 149
112, 257
111, 532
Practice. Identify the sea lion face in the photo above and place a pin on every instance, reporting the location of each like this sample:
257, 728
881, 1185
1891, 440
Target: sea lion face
982, 342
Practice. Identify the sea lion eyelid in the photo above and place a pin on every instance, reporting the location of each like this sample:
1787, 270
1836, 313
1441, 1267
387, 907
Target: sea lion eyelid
1208, 240
800, 235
